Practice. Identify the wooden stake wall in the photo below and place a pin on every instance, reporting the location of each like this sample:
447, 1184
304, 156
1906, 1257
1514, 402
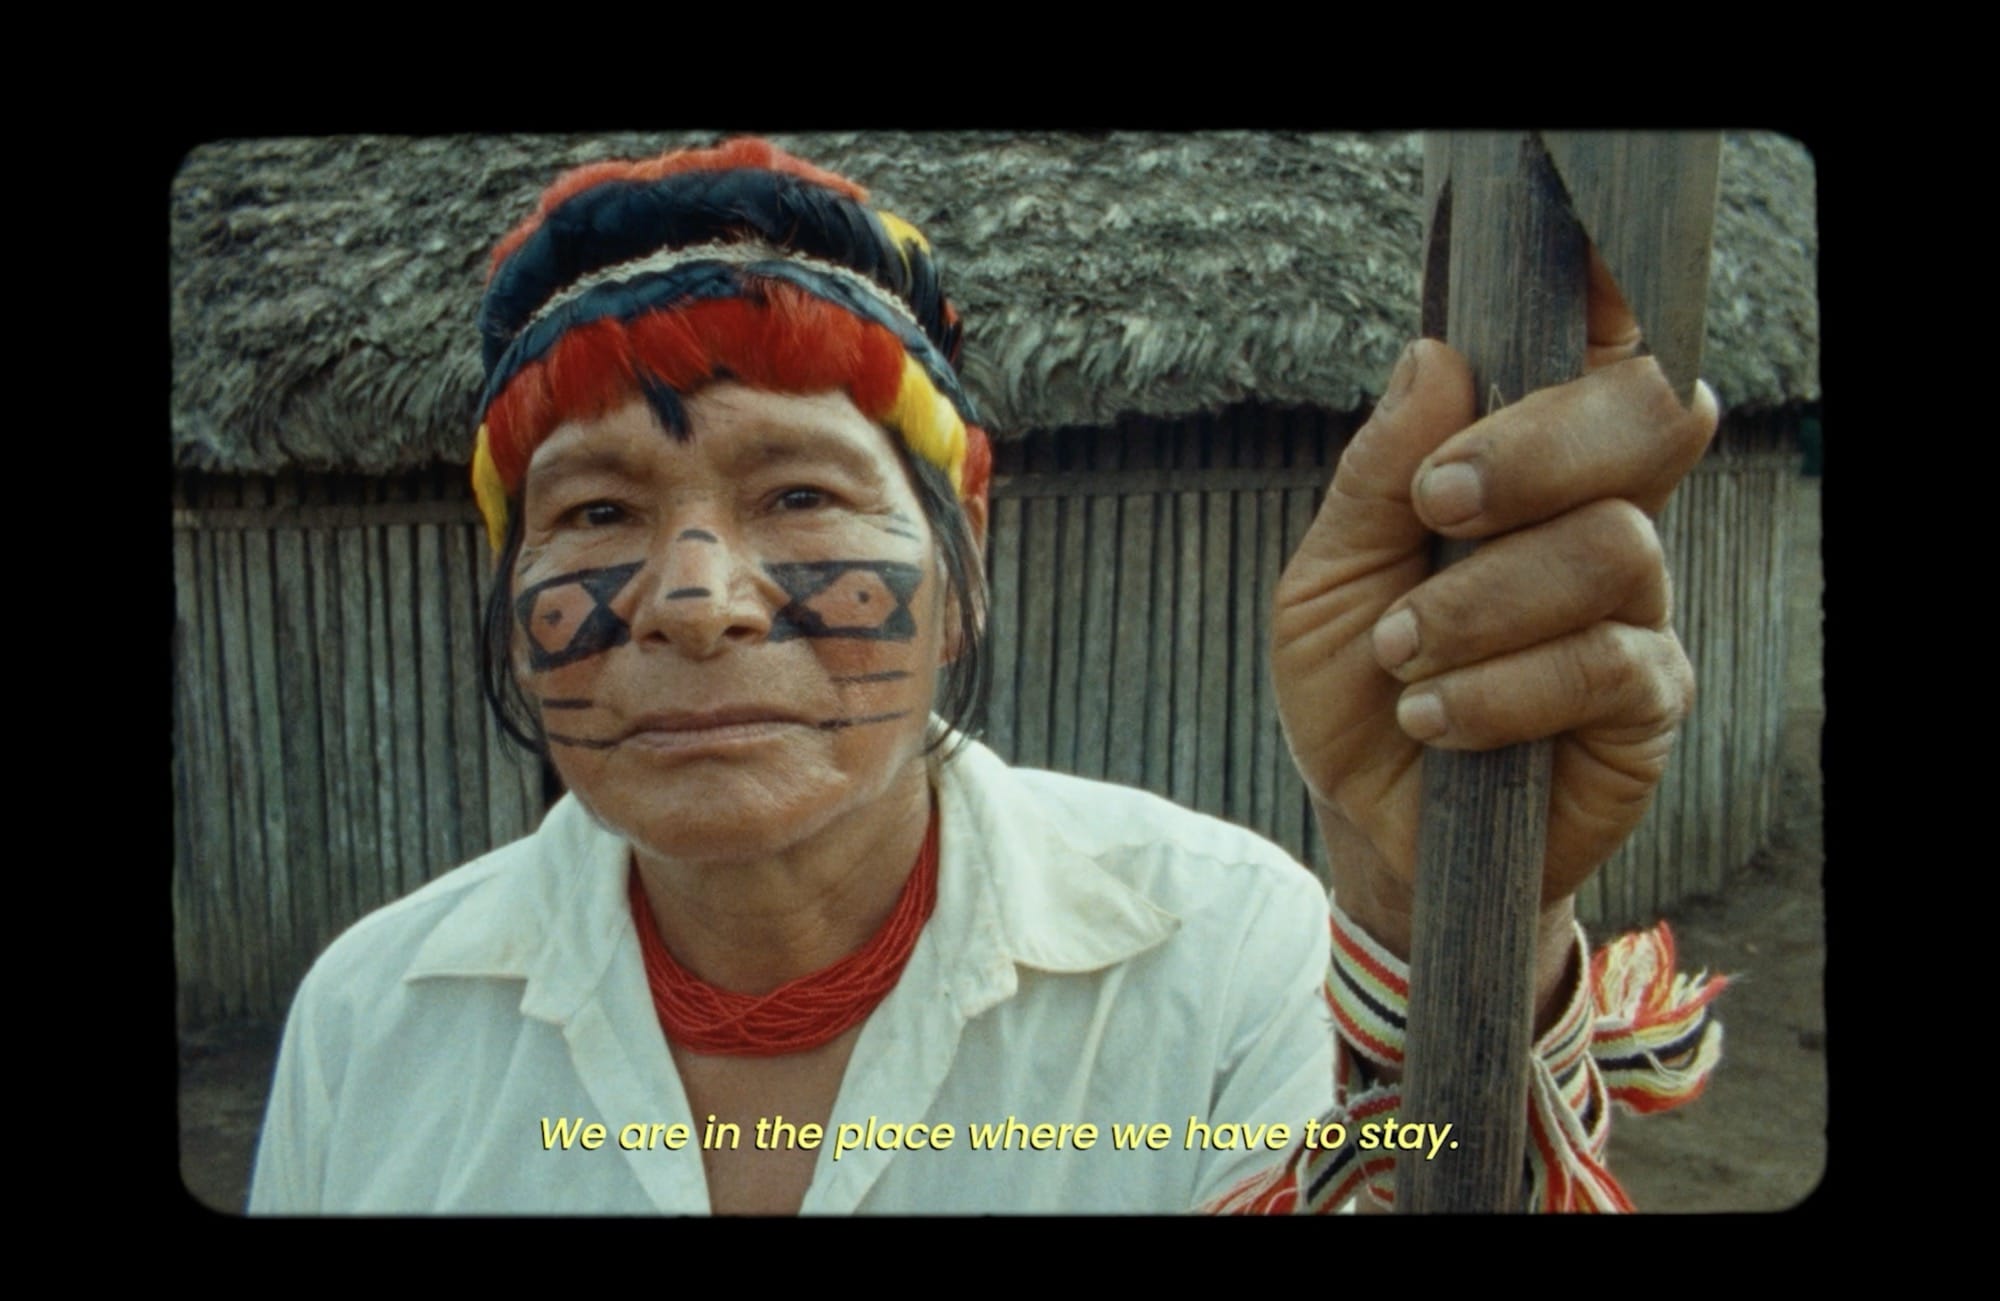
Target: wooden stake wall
1132, 578
332, 750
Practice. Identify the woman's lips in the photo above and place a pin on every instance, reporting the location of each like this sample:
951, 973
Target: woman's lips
681, 731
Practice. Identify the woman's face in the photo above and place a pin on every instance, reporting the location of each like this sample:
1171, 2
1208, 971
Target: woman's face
732, 638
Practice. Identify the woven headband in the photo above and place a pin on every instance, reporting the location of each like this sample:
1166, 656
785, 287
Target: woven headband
711, 238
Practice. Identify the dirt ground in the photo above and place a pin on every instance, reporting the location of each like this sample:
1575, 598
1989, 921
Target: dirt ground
1755, 1142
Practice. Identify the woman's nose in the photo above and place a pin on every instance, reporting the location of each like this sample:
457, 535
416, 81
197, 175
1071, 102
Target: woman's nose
705, 595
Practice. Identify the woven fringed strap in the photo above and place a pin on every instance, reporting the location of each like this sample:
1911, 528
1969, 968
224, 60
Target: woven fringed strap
1633, 1032
1655, 1043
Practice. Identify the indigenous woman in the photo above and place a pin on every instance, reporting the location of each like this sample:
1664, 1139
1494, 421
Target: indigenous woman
792, 941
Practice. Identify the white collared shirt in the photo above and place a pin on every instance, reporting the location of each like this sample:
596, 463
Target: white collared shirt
1097, 955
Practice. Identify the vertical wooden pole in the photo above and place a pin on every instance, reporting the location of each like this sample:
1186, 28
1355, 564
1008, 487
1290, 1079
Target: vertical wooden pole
1517, 268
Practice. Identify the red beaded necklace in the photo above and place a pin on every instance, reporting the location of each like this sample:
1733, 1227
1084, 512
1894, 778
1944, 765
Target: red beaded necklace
800, 1014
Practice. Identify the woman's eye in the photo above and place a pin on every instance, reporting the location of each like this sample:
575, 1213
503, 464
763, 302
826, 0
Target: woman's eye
801, 499
598, 514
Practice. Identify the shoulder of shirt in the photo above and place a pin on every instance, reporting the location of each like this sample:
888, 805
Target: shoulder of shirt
1156, 845
376, 951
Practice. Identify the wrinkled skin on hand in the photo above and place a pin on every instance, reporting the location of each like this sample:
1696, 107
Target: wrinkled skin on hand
1559, 626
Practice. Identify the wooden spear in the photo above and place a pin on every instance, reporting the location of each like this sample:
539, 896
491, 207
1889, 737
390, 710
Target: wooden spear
1509, 223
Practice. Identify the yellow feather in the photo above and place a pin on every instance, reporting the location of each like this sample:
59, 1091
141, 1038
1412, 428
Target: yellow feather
902, 231
929, 424
489, 492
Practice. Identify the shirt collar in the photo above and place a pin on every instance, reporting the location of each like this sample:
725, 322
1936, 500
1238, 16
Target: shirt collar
1056, 908
551, 911
1012, 889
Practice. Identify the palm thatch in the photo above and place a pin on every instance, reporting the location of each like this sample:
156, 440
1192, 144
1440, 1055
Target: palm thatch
324, 290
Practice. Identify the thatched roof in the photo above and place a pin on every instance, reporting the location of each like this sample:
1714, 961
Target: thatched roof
324, 290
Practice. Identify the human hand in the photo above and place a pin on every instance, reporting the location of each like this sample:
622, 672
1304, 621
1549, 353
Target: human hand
1559, 626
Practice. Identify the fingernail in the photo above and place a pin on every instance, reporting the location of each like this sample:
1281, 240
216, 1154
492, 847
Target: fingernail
1452, 493
1421, 716
1396, 639
1401, 378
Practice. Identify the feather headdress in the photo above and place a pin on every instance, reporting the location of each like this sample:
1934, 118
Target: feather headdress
650, 279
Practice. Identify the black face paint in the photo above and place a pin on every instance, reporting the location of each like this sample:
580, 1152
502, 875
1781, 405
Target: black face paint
694, 535
865, 599
569, 617
897, 525
573, 702
886, 675
686, 593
